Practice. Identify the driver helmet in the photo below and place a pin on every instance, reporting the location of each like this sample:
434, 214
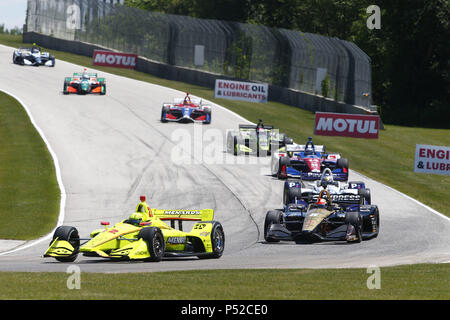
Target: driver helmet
187, 99
327, 179
321, 202
136, 218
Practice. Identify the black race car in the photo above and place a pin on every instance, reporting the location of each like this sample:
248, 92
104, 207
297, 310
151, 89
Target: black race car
323, 220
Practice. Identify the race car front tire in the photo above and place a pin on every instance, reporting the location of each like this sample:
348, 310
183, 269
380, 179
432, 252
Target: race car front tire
365, 196
235, 146
208, 117
217, 242
283, 162
354, 219
272, 217
65, 91
164, 111
103, 89
155, 242
291, 195
69, 234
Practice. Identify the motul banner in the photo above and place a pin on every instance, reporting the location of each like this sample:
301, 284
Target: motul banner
114, 59
346, 125
432, 159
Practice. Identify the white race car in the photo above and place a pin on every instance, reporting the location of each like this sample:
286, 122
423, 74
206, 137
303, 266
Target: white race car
347, 193
33, 57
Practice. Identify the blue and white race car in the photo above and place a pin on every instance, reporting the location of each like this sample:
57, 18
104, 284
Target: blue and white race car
308, 162
186, 110
345, 193
33, 57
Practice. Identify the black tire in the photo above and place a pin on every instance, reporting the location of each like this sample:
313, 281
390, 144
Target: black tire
377, 215
294, 194
287, 140
272, 217
342, 163
217, 241
69, 234
365, 195
163, 111
65, 88
354, 219
155, 242
103, 92
52, 58
283, 161
235, 145
208, 112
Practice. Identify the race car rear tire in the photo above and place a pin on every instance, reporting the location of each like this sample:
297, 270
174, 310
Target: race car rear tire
155, 242
272, 217
354, 219
287, 140
217, 242
69, 234
342, 163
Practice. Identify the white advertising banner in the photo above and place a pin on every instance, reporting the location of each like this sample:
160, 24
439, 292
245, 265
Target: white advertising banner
237, 90
432, 159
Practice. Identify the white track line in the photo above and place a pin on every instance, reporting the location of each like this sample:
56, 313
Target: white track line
62, 204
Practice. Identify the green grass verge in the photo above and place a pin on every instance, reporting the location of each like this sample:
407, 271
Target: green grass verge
389, 159
29, 192
425, 281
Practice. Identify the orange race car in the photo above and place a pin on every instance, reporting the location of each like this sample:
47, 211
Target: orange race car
83, 83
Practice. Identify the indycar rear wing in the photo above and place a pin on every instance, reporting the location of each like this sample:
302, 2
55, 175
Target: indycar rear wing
193, 100
253, 127
187, 215
78, 75
301, 148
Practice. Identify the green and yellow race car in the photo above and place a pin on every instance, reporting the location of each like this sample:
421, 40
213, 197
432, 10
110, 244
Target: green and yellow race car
259, 140
144, 236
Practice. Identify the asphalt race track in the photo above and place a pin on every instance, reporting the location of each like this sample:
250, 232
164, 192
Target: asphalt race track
113, 148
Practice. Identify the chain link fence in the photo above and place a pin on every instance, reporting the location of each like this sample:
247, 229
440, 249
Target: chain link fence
305, 62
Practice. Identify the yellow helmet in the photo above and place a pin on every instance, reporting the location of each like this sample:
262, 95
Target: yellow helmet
136, 217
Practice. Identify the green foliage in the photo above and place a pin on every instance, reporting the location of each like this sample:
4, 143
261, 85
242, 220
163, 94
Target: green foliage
14, 31
325, 86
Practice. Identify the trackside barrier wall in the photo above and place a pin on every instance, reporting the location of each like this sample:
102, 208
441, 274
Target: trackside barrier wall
291, 62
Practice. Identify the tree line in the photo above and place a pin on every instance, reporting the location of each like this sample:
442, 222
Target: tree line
410, 52
14, 31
